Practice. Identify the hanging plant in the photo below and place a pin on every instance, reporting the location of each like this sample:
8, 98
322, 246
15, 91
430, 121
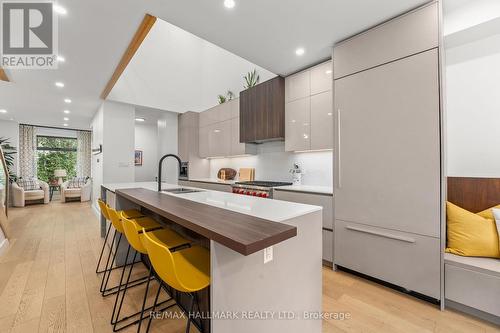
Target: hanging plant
8, 153
251, 79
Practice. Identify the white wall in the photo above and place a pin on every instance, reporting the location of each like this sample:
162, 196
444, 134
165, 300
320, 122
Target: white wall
473, 108
146, 139
97, 160
273, 163
168, 144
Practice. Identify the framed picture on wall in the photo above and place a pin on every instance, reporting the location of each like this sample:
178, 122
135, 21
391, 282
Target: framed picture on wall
138, 157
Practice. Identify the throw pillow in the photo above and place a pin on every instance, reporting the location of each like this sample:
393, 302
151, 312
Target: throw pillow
469, 234
29, 184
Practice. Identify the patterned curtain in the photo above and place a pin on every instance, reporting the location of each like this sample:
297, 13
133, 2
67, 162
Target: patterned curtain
84, 153
27, 152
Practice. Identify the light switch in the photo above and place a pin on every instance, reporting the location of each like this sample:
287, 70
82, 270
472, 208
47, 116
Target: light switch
268, 254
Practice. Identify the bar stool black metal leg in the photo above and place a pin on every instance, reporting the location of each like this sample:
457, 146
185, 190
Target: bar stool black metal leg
107, 268
145, 298
102, 250
106, 277
120, 284
154, 306
189, 314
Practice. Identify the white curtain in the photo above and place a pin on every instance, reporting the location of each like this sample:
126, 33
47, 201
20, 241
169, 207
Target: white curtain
27, 152
84, 153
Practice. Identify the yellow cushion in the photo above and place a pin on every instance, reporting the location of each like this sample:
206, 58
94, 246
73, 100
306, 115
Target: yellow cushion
469, 234
488, 213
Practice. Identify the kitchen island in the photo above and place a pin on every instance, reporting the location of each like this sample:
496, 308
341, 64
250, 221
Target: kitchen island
249, 292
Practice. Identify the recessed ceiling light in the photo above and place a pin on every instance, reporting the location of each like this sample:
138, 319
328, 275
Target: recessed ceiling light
328, 72
300, 51
67, 100
65, 125
3, 111
67, 111
60, 10
140, 120
65, 118
229, 4
61, 59
59, 84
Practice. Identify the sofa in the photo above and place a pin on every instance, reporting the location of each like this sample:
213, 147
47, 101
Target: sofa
76, 189
32, 190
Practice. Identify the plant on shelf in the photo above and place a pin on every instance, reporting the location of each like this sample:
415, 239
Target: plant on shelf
251, 79
229, 95
8, 153
221, 99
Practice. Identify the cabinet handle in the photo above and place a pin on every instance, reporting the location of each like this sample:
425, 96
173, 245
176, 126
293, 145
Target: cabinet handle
339, 179
382, 234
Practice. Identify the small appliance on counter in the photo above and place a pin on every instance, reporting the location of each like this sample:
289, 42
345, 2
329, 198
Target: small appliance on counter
184, 171
262, 189
246, 174
297, 173
226, 174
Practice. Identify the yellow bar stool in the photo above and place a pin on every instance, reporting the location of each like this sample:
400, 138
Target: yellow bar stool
187, 270
134, 232
104, 211
116, 221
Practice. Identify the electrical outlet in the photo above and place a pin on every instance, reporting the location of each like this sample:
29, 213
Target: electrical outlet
268, 254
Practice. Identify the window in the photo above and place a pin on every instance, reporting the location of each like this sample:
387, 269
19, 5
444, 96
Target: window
55, 153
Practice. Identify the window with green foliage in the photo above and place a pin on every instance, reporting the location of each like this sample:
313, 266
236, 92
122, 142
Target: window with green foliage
55, 153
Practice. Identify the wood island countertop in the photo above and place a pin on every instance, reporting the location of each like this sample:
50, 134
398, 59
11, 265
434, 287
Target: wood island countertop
240, 232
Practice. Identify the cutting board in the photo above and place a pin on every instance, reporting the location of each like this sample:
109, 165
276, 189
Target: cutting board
246, 174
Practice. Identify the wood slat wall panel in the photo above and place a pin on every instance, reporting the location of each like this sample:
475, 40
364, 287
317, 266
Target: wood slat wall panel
474, 194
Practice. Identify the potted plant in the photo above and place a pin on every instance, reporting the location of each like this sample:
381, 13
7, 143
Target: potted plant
9, 152
251, 79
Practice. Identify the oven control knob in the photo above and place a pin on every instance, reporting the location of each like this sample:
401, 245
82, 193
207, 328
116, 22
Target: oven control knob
248, 193
254, 194
265, 195
260, 195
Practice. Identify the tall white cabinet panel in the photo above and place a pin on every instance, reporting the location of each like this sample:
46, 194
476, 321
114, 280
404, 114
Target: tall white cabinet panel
388, 153
298, 125
203, 144
297, 86
389, 146
322, 121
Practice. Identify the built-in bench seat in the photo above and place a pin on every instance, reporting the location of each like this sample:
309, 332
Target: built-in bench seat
473, 285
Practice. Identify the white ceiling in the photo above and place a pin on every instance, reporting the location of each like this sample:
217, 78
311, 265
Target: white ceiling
178, 71
94, 35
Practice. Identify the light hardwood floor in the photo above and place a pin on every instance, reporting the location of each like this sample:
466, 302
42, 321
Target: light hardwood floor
48, 284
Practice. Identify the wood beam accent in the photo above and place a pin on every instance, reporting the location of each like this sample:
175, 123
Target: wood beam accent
3, 75
141, 33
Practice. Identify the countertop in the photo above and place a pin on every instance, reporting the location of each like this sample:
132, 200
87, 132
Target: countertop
324, 190
210, 180
231, 220
268, 209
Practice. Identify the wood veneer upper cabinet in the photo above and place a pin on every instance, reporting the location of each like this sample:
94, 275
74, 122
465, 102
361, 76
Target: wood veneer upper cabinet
408, 34
262, 112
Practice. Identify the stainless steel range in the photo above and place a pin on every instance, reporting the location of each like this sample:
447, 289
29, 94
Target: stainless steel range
262, 189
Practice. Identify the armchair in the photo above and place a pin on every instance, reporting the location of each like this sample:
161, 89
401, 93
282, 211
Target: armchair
20, 196
70, 191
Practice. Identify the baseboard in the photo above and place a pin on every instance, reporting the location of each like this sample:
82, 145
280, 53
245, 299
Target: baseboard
4, 245
472, 312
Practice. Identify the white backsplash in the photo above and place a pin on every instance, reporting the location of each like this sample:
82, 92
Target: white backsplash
273, 163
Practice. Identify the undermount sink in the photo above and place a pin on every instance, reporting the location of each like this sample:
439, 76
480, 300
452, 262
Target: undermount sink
181, 190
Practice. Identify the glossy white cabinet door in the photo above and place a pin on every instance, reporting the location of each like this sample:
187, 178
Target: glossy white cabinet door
225, 111
297, 86
203, 141
322, 121
388, 148
209, 117
298, 125
234, 105
219, 139
321, 78
237, 148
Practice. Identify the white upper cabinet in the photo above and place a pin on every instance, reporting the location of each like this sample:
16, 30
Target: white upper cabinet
321, 78
225, 110
322, 121
203, 145
298, 125
219, 139
309, 109
209, 117
297, 86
